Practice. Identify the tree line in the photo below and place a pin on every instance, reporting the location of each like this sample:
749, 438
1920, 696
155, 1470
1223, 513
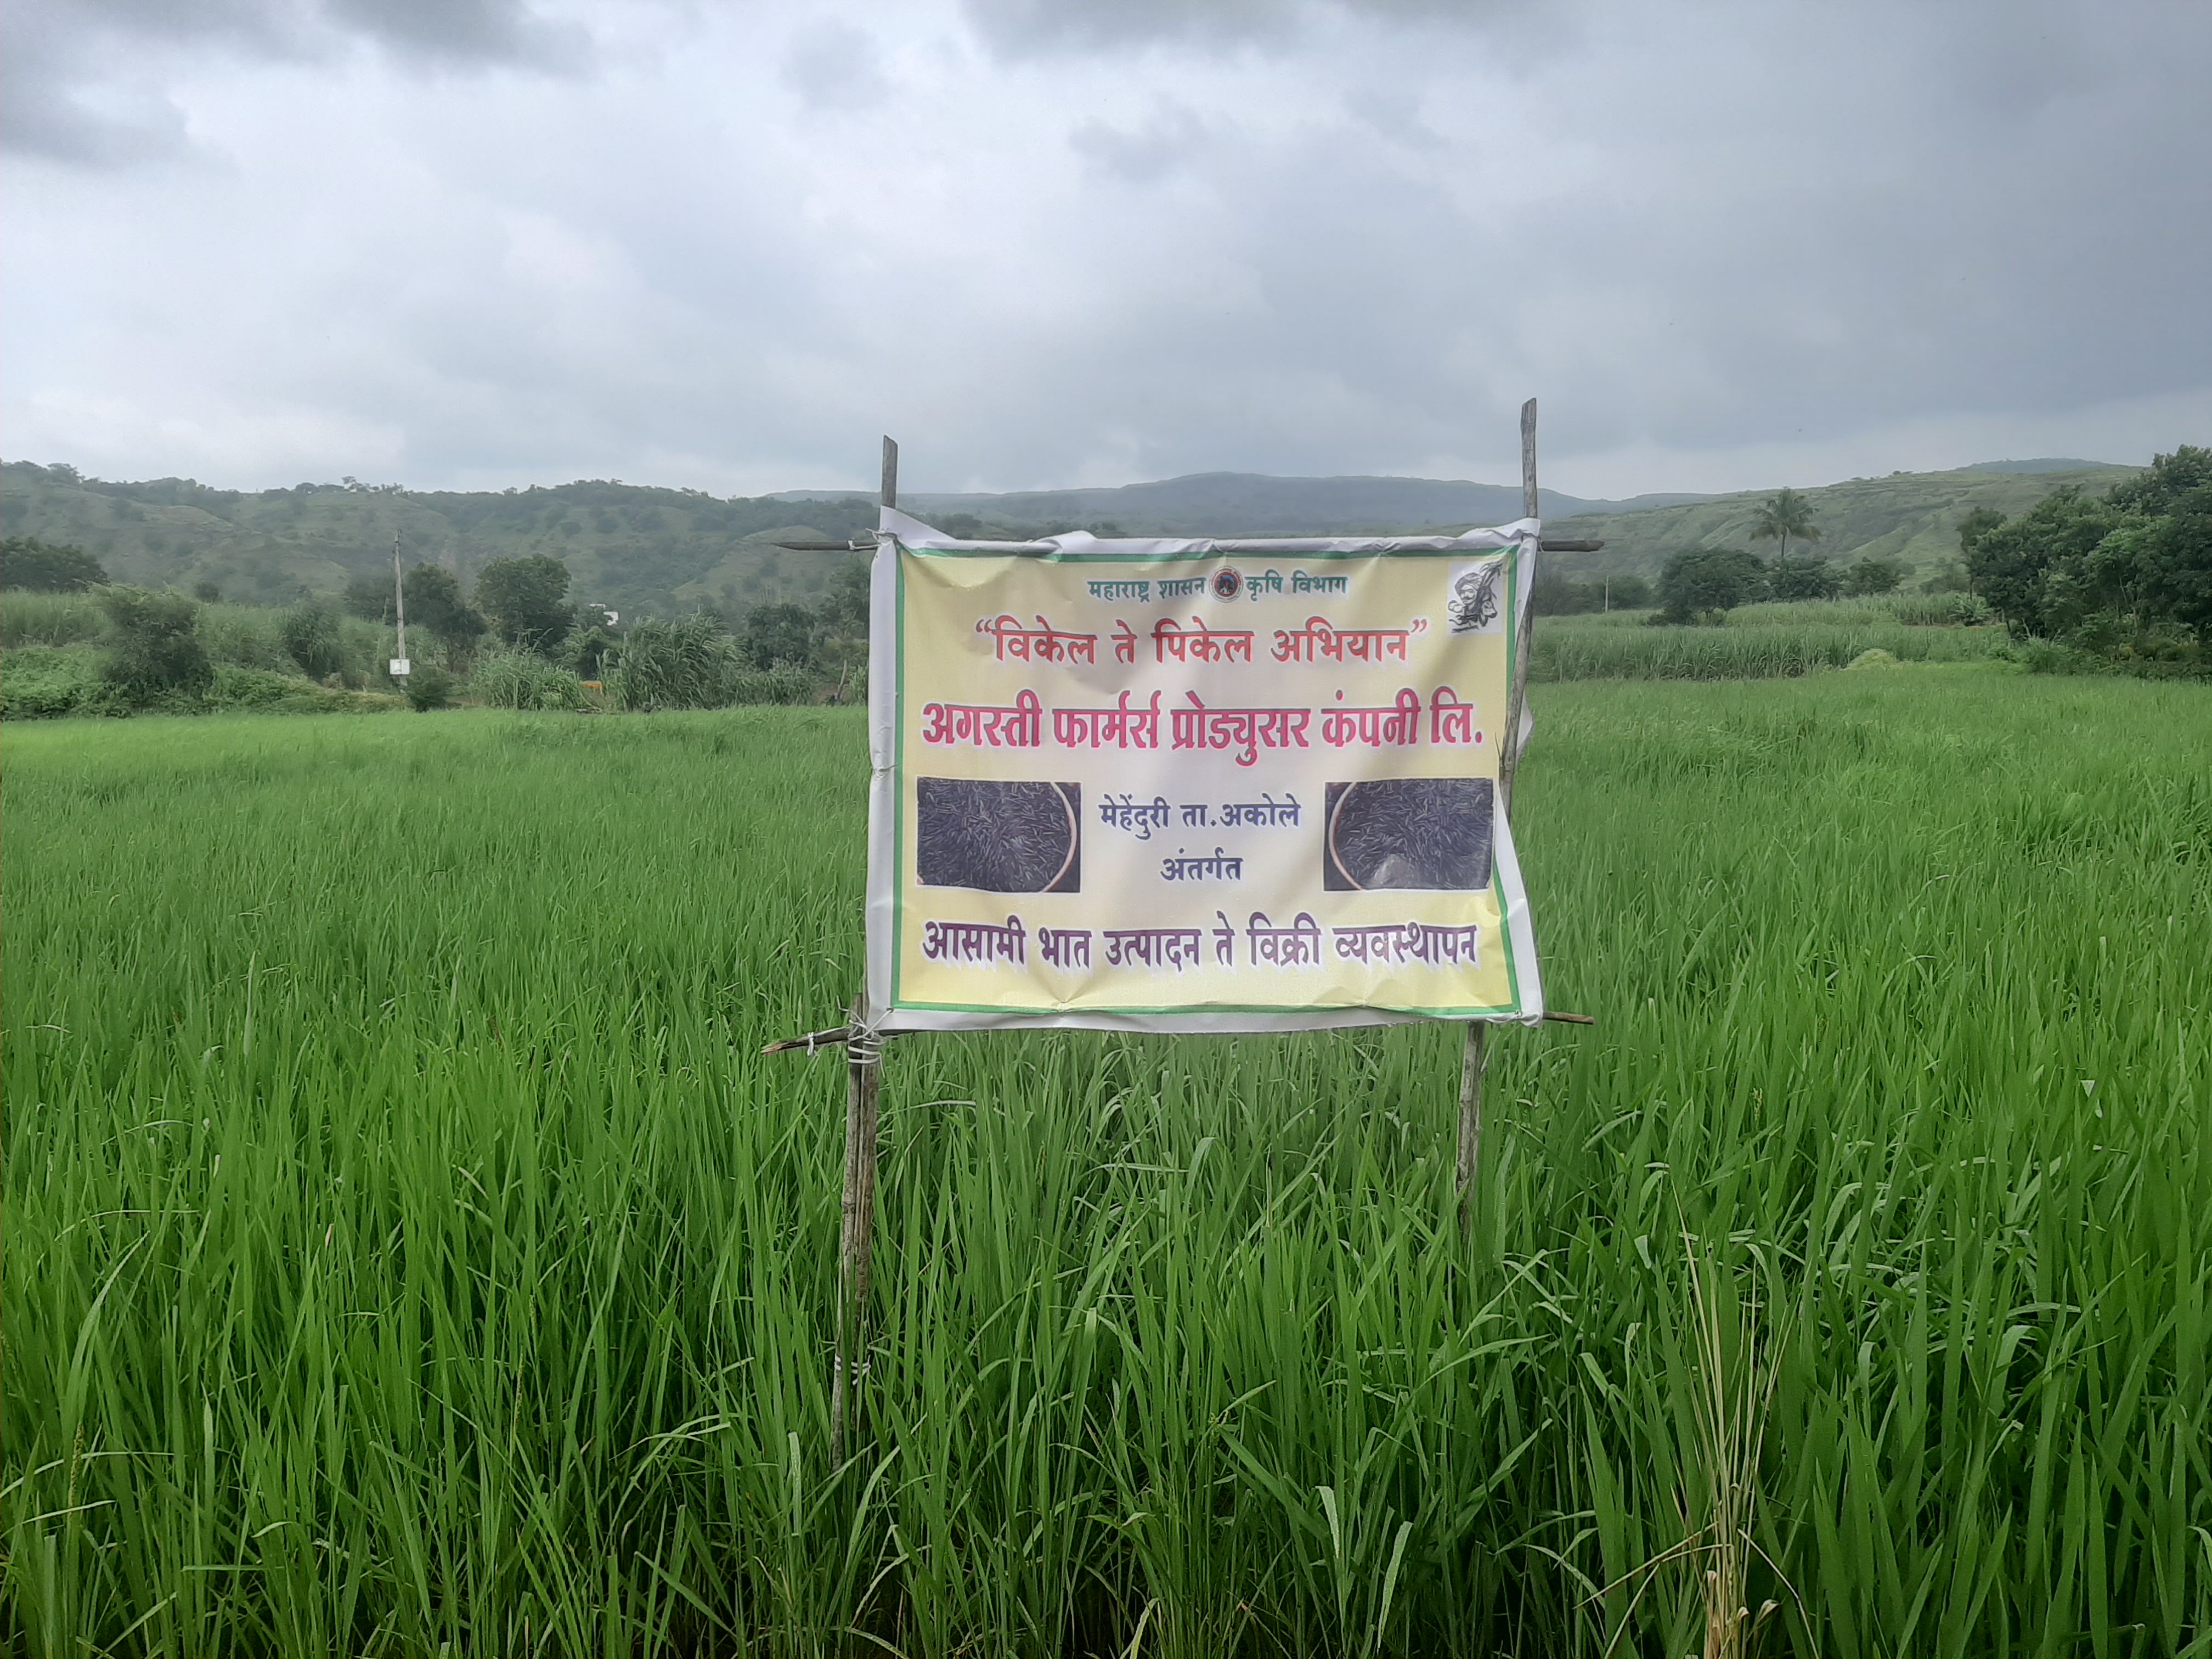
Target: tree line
2127, 574
518, 613
2124, 576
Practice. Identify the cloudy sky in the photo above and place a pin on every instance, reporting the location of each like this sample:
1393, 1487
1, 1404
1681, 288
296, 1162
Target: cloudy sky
470, 243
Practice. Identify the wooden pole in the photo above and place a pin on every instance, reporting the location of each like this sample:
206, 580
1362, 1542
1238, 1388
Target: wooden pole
1509, 758
863, 1076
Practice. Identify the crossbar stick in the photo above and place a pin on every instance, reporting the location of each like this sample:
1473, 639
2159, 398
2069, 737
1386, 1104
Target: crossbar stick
1277, 544
814, 1041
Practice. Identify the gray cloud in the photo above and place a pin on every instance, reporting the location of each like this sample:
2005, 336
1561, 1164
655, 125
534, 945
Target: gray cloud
1166, 139
466, 33
834, 63
80, 80
1728, 243
1024, 26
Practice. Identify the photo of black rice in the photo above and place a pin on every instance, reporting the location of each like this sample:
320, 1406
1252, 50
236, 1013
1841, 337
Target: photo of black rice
998, 836
1407, 832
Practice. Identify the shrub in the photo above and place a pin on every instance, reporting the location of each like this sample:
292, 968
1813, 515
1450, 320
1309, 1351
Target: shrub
1942, 608
1804, 579
1557, 596
311, 639
522, 679
429, 687
41, 682
153, 646
246, 637
1705, 581
686, 664
1872, 576
777, 636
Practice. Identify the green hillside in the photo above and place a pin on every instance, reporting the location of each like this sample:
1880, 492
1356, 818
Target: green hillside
645, 551
1257, 504
641, 550
1909, 516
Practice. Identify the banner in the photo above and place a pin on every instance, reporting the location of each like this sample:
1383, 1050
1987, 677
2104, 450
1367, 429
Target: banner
1194, 785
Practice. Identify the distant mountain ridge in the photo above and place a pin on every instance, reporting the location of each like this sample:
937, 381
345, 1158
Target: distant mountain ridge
1259, 504
646, 550
2046, 464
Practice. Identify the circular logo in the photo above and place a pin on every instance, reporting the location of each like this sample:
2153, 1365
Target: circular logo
1227, 584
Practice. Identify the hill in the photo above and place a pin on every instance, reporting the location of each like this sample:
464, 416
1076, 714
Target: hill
1908, 516
637, 549
646, 550
1255, 504
2042, 464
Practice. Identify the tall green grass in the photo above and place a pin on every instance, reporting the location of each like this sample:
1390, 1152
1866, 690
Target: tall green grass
409, 1252
1756, 643
54, 619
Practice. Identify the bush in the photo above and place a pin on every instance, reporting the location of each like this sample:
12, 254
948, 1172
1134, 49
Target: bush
41, 682
1872, 576
1942, 608
1707, 581
1557, 596
247, 636
1804, 579
686, 664
311, 639
522, 679
780, 636
429, 687
154, 648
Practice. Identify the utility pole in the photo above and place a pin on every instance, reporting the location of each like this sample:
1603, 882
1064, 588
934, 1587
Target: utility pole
400, 666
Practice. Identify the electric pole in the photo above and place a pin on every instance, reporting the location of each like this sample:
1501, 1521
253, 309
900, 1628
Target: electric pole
400, 666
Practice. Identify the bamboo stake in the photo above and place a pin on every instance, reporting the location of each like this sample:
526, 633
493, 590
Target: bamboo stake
1509, 758
863, 1078
863, 1074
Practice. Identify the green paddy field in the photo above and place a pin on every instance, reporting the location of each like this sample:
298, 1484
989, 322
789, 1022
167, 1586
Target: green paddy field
409, 1252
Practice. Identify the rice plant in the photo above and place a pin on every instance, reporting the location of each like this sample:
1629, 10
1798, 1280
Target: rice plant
410, 1252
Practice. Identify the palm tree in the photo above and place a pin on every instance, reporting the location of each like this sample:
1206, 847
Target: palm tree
1784, 516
